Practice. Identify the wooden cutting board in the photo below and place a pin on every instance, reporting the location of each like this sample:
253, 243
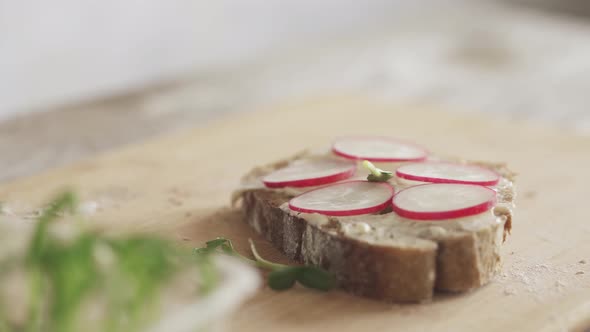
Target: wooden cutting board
180, 185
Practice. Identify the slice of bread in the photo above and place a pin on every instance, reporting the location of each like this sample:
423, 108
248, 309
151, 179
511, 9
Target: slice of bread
384, 256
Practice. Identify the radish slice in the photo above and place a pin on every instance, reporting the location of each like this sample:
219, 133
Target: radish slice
345, 199
312, 172
439, 172
378, 149
443, 201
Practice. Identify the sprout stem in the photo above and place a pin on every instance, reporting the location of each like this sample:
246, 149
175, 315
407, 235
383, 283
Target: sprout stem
377, 175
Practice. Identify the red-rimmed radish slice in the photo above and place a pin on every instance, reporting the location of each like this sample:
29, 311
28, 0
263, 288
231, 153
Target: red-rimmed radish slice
378, 149
443, 201
311, 172
345, 199
441, 172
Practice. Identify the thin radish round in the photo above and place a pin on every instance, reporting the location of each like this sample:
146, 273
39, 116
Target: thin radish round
378, 149
310, 172
345, 199
442, 172
443, 201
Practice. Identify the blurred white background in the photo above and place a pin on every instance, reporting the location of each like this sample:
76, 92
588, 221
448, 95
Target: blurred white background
54, 52
486, 56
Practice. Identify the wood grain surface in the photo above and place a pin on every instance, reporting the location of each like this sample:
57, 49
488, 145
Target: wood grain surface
181, 184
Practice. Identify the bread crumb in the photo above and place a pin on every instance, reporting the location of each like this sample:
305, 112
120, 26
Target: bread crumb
183, 238
509, 291
175, 201
357, 228
529, 194
179, 192
579, 272
582, 261
560, 284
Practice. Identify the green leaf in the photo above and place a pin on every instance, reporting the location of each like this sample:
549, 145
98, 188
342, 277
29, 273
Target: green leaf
65, 201
72, 275
384, 177
201, 251
36, 254
316, 278
143, 265
36, 291
228, 249
282, 279
208, 273
213, 244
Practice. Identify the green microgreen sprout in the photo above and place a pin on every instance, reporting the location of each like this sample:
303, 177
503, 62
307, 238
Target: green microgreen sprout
376, 174
281, 276
125, 273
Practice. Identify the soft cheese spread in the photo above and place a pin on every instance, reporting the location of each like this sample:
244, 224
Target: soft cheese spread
389, 228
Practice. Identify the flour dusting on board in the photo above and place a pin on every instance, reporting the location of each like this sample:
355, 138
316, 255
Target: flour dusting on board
18, 210
539, 278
